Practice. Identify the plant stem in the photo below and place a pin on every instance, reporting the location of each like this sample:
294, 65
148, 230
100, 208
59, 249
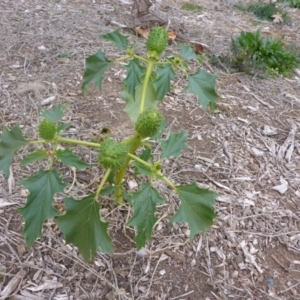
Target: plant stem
37, 142
52, 157
121, 58
141, 58
136, 142
158, 173
103, 180
77, 142
145, 84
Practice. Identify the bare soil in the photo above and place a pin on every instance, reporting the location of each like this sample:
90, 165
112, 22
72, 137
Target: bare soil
253, 249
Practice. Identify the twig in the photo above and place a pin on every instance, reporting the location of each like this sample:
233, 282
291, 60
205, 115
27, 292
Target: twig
183, 295
287, 148
280, 264
283, 291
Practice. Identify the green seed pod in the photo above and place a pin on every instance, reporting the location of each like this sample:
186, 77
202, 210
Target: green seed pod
148, 122
47, 130
157, 40
112, 154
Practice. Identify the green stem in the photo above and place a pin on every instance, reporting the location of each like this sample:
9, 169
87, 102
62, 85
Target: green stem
103, 180
145, 84
121, 58
52, 157
146, 61
135, 143
184, 71
158, 173
37, 142
77, 142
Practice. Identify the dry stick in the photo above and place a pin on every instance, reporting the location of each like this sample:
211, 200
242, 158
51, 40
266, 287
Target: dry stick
272, 297
82, 264
287, 148
280, 264
151, 281
112, 271
262, 234
258, 99
283, 291
228, 154
183, 295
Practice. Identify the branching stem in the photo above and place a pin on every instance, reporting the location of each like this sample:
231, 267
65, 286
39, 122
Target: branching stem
145, 84
158, 173
103, 180
77, 142
136, 142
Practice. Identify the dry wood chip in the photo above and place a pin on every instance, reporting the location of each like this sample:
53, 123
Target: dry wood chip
47, 285
12, 284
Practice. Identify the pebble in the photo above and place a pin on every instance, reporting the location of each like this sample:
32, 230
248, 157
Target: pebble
270, 281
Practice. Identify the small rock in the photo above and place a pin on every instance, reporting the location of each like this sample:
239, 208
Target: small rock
270, 281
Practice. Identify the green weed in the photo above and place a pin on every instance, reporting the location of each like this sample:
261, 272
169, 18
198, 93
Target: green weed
252, 51
191, 6
266, 11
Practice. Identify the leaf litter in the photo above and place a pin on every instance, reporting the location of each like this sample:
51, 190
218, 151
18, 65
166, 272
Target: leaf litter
257, 228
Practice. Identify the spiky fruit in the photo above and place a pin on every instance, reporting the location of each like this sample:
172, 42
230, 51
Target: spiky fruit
112, 154
157, 40
148, 123
47, 130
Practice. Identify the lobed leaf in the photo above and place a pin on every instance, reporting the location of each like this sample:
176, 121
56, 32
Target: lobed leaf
202, 84
134, 73
132, 107
96, 66
162, 83
68, 158
42, 187
82, 226
56, 113
173, 145
121, 41
10, 142
196, 208
144, 204
63, 126
146, 155
187, 52
38, 154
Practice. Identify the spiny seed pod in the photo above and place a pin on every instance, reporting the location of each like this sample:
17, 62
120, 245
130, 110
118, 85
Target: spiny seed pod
47, 130
112, 154
157, 40
148, 122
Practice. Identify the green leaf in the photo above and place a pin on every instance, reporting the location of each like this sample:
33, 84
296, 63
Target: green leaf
82, 226
141, 169
42, 187
173, 145
160, 131
108, 190
63, 126
34, 156
187, 52
56, 113
162, 83
121, 41
68, 158
196, 208
134, 73
144, 205
202, 84
133, 105
96, 66
10, 142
